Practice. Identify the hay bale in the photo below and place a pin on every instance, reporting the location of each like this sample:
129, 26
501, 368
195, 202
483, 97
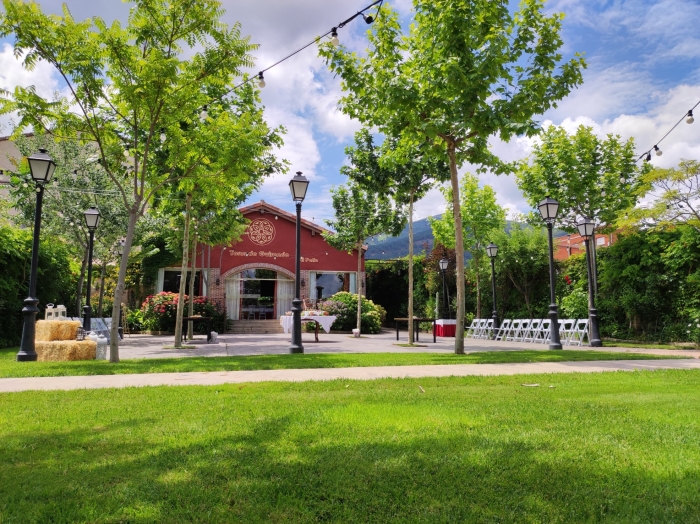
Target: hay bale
53, 330
63, 350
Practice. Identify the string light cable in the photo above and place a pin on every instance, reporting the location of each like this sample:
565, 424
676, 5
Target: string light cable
333, 32
689, 119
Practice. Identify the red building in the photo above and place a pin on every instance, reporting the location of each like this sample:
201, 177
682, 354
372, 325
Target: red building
254, 278
569, 245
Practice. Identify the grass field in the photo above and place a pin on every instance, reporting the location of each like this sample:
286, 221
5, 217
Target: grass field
613, 447
9, 367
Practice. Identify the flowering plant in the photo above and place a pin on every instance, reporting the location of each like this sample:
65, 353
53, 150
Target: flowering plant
160, 311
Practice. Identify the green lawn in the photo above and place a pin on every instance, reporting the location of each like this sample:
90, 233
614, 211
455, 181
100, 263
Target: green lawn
9, 367
614, 447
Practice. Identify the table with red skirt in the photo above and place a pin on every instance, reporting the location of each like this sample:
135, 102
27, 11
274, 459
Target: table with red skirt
445, 327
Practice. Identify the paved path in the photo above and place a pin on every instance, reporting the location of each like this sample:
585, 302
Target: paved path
301, 375
148, 346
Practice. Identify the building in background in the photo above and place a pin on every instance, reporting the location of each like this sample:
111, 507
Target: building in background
568, 245
254, 278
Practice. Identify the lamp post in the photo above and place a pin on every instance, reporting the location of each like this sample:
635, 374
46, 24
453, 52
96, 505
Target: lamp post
42, 167
92, 219
445, 303
492, 252
548, 209
298, 186
586, 229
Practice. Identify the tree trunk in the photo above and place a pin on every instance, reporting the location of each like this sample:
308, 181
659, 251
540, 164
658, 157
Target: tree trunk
102, 288
459, 249
119, 291
190, 305
358, 285
183, 275
79, 291
410, 268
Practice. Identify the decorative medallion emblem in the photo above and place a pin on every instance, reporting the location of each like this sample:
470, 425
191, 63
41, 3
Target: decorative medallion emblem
261, 231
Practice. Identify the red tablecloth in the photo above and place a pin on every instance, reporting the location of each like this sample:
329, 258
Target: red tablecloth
445, 328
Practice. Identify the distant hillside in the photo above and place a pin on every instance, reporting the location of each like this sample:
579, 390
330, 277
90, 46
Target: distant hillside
384, 247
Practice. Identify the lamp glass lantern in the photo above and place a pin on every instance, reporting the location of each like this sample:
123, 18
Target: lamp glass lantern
92, 218
298, 186
443, 264
586, 227
492, 250
548, 209
41, 166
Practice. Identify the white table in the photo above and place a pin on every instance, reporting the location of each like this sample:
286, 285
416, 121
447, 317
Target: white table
287, 321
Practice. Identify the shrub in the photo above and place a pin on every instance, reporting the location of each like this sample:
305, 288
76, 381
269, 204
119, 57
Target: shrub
160, 311
344, 306
575, 304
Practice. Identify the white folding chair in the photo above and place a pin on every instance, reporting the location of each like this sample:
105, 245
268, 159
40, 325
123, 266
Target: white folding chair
565, 329
480, 326
580, 332
503, 330
471, 330
544, 332
532, 330
524, 330
514, 330
486, 329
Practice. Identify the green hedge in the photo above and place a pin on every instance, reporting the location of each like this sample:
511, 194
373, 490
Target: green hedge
56, 279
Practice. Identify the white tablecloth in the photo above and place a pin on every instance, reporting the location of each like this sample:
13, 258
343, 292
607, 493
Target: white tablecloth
287, 321
445, 322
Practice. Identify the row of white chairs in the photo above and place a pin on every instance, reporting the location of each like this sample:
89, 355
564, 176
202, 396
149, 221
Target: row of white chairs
572, 332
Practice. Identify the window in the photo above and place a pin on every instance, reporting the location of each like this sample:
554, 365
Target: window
171, 281
325, 285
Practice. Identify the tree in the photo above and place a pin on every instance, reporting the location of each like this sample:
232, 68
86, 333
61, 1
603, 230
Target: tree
675, 194
374, 169
156, 99
466, 71
481, 218
523, 258
78, 184
587, 175
360, 214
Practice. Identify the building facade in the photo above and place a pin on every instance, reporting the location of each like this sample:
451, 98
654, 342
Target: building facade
254, 278
569, 245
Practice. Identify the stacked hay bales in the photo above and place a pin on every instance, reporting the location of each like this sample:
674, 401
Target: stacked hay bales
55, 340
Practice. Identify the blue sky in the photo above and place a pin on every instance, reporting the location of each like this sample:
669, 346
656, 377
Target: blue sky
643, 75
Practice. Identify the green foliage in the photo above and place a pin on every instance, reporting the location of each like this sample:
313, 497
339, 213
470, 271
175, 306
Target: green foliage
575, 304
522, 272
675, 193
588, 176
55, 278
344, 304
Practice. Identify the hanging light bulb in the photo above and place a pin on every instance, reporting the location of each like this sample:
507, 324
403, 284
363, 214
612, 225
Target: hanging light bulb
622, 180
126, 152
368, 18
204, 114
648, 157
261, 80
690, 118
658, 151
334, 37
162, 135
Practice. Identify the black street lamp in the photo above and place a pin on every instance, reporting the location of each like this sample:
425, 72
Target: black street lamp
549, 209
92, 219
42, 167
298, 186
492, 251
445, 301
586, 229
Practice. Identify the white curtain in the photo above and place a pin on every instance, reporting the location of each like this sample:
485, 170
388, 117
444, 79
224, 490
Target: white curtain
353, 283
233, 297
285, 295
312, 287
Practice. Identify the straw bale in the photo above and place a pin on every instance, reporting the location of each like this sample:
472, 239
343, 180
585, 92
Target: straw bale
52, 330
66, 350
